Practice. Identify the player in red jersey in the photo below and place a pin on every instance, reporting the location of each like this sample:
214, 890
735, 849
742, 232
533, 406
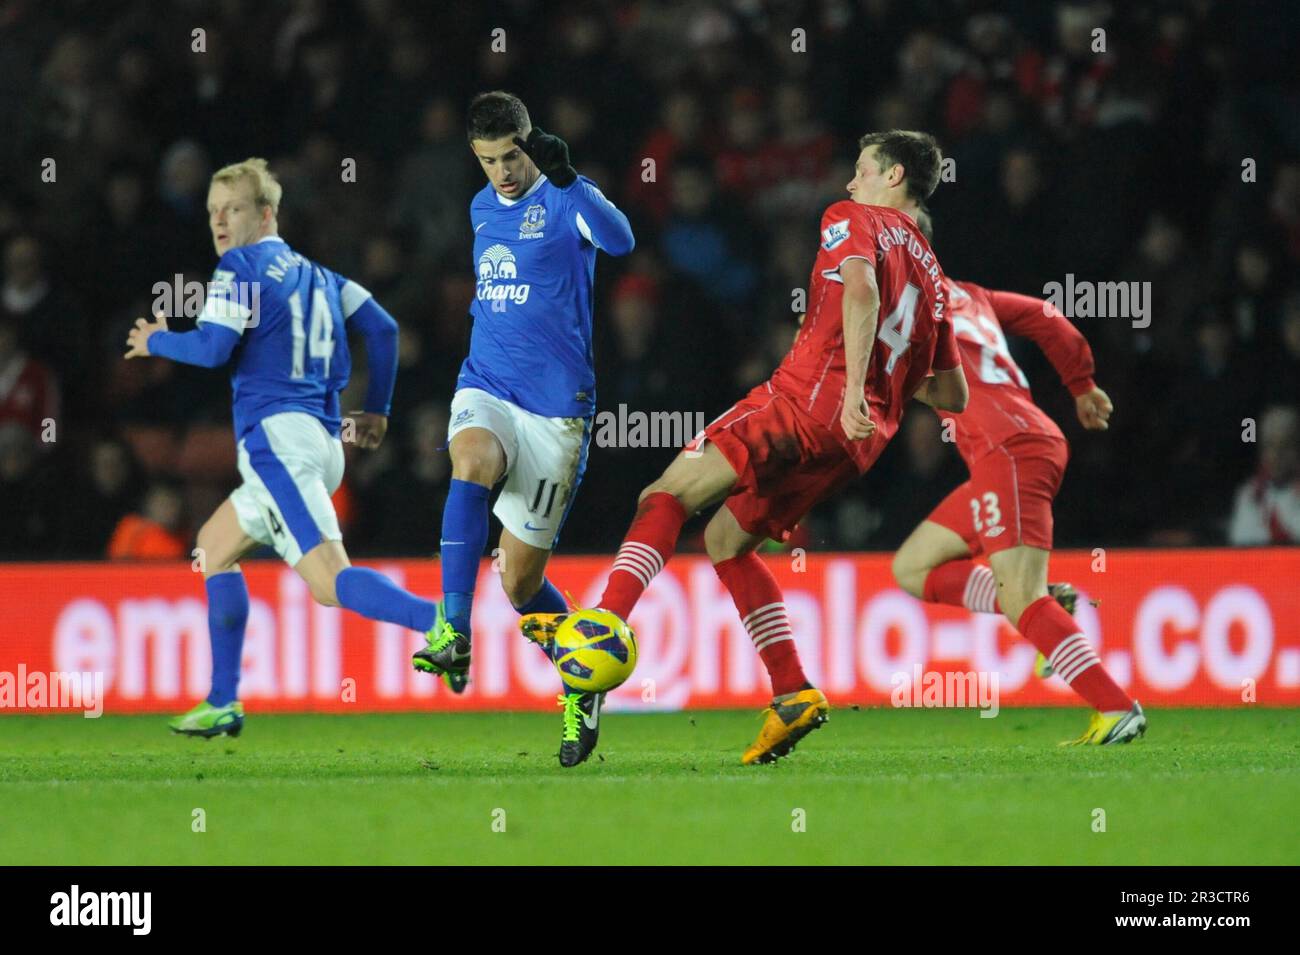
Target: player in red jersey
875, 328
1016, 456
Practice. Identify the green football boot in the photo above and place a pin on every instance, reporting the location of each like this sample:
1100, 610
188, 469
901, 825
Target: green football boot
456, 682
581, 726
207, 721
446, 653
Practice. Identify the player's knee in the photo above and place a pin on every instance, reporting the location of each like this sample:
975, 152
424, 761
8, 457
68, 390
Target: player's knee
476, 468
716, 544
520, 588
216, 559
325, 595
477, 458
655, 487
323, 590
723, 540
205, 541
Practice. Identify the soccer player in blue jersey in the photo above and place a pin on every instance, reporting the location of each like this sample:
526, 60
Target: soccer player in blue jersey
282, 320
526, 394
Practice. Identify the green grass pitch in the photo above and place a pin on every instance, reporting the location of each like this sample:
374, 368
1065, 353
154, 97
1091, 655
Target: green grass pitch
874, 786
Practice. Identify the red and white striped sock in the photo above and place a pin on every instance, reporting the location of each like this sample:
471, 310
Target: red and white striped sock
649, 544
762, 609
1056, 634
963, 583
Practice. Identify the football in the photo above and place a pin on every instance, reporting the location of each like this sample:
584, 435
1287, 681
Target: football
594, 650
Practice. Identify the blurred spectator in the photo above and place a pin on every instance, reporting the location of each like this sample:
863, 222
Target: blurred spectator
799, 157
1282, 366
928, 471
436, 182
1267, 507
322, 93
706, 241
1284, 208
100, 496
743, 160
29, 392
68, 83
155, 532
183, 190
223, 101
1073, 77
680, 131
51, 328
991, 62
1176, 287
125, 240
926, 63
634, 373
1201, 450
400, 511
1253, 295
402, 88
1022, 213
33, 496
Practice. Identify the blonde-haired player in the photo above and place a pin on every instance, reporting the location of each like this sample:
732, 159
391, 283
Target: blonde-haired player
281, 322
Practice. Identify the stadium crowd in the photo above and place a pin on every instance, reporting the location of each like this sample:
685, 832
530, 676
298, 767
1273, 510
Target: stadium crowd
1163, 150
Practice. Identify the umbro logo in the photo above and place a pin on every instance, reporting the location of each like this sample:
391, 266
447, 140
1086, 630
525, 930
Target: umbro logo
994, 531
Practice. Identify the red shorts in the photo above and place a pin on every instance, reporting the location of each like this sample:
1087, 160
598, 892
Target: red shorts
786, 461
1008, 499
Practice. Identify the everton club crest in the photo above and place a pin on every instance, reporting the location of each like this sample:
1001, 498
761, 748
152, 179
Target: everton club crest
534, 222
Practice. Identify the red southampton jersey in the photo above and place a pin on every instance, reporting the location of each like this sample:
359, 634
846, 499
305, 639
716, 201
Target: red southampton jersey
912, 330
1001, 406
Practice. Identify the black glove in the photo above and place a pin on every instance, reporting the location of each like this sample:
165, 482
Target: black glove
551, 154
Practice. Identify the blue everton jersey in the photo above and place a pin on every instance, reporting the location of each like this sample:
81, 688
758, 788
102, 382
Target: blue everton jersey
290, 314
535, 263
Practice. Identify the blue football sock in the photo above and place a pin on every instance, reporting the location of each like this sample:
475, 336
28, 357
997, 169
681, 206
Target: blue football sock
464, 534
546, 600
227, 617
373, 595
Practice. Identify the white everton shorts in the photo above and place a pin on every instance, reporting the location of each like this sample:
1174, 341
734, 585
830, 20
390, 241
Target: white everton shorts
545, 461
291, 465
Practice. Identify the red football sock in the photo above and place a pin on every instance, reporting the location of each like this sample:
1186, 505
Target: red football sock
646, 548
758, 598
963, 583
1056, 634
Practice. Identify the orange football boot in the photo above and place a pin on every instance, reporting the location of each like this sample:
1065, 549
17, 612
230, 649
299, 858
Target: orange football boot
790, 718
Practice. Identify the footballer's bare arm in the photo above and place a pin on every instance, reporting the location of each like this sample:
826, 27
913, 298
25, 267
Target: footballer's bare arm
861, 310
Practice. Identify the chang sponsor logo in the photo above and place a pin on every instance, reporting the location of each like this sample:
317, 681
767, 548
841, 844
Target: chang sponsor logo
497, 270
